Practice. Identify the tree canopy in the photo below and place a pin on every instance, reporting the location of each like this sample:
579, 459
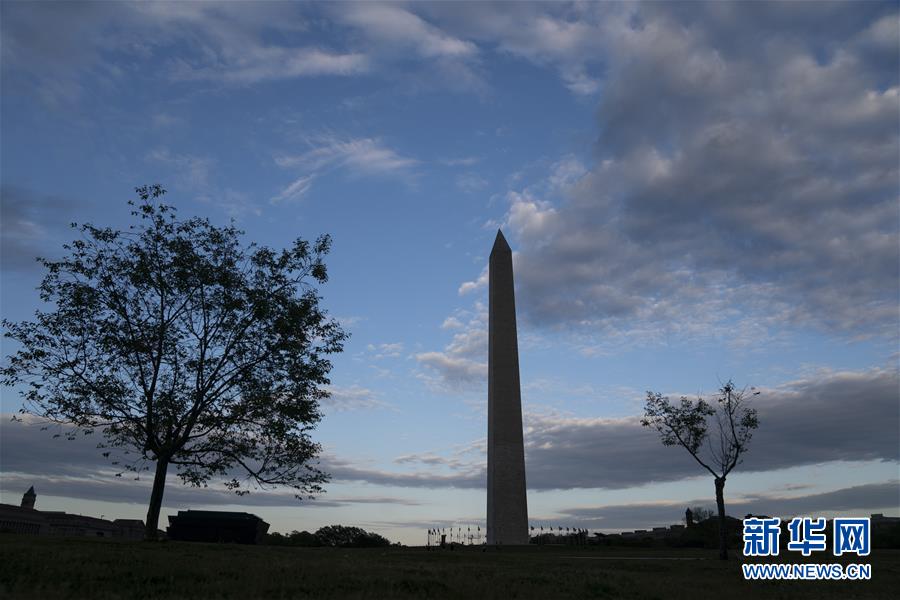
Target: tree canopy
184, 344
349, 537
687, 424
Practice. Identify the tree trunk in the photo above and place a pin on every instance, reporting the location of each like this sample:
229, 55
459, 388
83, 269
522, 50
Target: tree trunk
723, 524
156, 496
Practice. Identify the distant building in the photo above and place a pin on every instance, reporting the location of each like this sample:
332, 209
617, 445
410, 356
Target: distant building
23, 518
17, 519
637, 533
879, 520
130, 529
217, 526
26, 519
64, 524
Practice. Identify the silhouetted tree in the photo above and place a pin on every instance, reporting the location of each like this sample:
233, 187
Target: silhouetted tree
701, 513
687, 424
349, 537
295, 538
184, 344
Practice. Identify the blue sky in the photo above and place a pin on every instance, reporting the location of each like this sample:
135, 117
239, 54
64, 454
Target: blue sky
693, 192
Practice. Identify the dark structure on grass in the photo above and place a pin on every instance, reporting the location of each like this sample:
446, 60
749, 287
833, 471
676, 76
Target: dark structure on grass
217, 526
507, 506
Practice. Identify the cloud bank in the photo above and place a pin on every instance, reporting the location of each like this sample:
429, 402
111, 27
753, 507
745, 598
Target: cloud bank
841, 416
745, 179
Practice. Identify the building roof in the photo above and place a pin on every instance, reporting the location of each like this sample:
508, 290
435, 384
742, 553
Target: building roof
216, 515
21, 511
63, 518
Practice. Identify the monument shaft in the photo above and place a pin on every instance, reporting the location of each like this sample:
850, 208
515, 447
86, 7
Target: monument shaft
507, 507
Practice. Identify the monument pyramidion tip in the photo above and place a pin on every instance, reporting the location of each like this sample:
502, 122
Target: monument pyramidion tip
500, 244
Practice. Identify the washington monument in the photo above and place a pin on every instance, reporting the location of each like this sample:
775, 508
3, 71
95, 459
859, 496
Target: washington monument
507, 508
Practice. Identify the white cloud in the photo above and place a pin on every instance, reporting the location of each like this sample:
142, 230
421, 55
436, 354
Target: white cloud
561, 36
463, 362
235, 203
464, 161
229, 45
566, 172
401, 39
883, 34
581, 84
390, 350
451, 322
258, 64
357, 156
471, 182
350, 320
481, 282
354, 397
295, 191
193, 171
396, 25
454, 370
368, 156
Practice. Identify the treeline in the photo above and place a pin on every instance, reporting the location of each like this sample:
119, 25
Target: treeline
334, 536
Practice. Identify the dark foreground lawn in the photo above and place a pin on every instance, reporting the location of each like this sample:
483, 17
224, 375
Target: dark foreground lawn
48, 568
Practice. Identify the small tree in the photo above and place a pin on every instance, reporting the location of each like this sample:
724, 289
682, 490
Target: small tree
687, 424
186, 346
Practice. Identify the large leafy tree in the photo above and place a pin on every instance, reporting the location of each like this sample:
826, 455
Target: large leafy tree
185, 346
715, 435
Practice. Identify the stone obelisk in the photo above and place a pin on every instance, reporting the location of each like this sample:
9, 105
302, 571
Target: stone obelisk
507, 507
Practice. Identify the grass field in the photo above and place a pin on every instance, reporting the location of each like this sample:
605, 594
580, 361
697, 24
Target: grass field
48, 568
